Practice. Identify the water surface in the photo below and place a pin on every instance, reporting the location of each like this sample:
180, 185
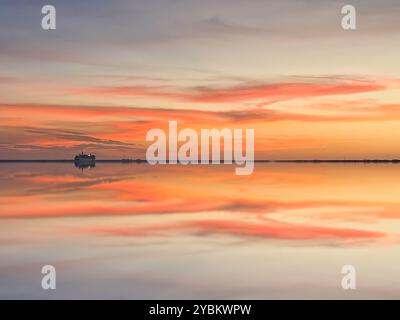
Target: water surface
136, 231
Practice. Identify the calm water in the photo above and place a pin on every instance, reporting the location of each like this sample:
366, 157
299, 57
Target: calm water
139, 231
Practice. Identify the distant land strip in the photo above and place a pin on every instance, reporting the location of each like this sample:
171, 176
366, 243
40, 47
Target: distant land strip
222, 162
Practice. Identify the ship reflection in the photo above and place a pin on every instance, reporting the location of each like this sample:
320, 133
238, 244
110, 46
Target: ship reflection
84, 165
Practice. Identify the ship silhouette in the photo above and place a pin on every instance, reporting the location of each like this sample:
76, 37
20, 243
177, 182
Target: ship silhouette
83, 160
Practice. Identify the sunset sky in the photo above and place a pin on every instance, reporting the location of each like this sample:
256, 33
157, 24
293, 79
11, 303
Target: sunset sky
112, 70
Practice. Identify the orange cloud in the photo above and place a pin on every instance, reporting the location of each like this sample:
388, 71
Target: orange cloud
125, 117
57, 131
269, 229
266, 92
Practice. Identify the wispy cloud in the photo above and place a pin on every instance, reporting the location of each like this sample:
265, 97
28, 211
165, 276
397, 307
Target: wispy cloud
267, 92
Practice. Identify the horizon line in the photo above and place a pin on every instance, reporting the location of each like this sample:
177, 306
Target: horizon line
221, 161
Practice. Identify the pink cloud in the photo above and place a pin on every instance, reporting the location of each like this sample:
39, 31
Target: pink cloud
267, 92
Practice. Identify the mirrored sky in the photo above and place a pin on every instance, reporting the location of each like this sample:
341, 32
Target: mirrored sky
173, 232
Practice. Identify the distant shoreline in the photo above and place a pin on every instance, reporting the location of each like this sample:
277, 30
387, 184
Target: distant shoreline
255, 161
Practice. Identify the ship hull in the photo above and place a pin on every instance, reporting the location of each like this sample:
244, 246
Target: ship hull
85, 161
